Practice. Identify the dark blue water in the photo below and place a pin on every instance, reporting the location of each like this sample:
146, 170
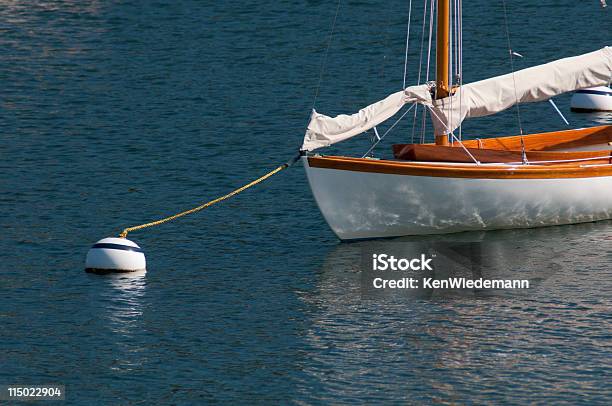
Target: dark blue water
114, 113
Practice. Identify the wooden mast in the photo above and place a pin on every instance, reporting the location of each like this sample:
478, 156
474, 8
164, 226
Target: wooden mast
442, 57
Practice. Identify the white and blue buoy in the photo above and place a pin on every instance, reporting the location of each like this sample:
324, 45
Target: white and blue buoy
592, 99
112, 255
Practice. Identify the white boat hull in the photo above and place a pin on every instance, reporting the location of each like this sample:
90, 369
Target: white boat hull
592, 99
360, 205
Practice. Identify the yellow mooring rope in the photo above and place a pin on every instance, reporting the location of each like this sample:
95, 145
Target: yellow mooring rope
125, 232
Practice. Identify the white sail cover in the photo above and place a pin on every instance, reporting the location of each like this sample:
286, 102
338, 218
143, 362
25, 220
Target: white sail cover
324, 131
473, 100
534, 84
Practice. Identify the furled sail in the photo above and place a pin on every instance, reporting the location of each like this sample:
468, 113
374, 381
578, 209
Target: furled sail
324, 131
534, 84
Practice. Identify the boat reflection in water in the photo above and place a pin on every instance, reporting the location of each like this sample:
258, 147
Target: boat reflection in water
460, 345
599, 117
526, 254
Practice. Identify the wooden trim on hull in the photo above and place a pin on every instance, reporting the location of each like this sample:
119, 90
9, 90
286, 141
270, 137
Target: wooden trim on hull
550, 141
588, 169
437, 153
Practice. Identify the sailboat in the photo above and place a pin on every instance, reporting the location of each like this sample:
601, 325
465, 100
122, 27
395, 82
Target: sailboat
452, 185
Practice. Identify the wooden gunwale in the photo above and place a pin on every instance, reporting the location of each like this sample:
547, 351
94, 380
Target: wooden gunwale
591, 169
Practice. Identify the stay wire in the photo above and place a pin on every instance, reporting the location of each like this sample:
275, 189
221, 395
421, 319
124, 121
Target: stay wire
432, 10
389, 130
518, 108
420, 65
324, 59
407, 43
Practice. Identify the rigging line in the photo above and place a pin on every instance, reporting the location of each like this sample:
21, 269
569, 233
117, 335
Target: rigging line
431, 24
423, 124
450, 45
388, 130
324, 59
518, 109
414, 120
558, 111
407, 42
432, 11
451, 63
452, 134
460, 38
460, 62
456, 36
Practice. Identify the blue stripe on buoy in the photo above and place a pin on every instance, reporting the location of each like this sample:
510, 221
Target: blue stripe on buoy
116, 247
600, 92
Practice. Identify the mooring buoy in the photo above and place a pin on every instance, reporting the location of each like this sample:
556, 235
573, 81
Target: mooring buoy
120, 255
112, 255
592, 99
